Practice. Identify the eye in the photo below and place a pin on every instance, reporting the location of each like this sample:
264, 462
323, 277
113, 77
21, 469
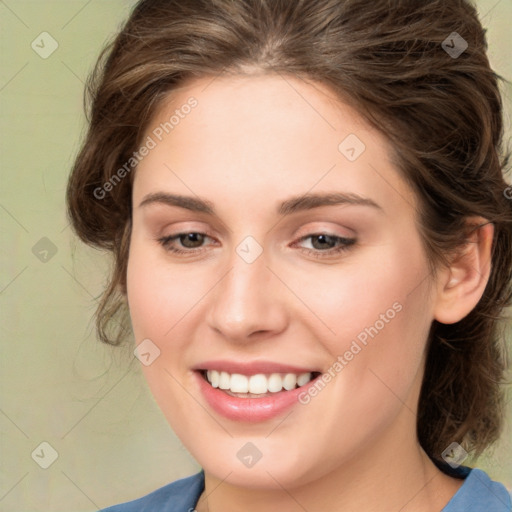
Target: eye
192, 242
323, 244
326, 245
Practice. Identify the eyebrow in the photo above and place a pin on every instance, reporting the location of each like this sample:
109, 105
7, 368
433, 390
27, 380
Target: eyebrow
288, 207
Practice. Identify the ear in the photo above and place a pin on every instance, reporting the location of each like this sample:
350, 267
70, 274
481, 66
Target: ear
461, 285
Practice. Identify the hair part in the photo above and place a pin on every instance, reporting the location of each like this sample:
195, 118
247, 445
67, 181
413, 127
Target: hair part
441, 115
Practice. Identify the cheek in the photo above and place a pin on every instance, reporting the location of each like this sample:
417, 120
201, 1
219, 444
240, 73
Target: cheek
380, 290
158, 296
158, 302
378, 314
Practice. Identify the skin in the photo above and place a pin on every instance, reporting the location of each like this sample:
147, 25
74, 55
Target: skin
251, 143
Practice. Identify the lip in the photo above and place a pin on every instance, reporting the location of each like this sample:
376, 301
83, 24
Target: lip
252, 368
251, 410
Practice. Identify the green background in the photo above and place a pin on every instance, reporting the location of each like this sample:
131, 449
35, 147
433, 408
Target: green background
58, 384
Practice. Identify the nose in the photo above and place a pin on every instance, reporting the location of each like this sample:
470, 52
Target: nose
248, 303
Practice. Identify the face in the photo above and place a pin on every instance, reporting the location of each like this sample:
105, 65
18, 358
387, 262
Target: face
273, 241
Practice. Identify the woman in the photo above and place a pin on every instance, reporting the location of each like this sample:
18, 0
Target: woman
312, 237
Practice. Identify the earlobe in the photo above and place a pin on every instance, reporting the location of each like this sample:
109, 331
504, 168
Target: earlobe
461, 286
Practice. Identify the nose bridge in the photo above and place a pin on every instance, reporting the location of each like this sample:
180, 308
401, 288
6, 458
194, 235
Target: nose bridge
245, 300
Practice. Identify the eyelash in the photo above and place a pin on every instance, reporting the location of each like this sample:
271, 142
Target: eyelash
346, 243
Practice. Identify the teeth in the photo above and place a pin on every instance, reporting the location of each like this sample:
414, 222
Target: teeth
239, 383
289, 381
259, 384
275, 383
303, 378
224, 379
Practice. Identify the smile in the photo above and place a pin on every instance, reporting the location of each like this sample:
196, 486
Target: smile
256, 386
256, 397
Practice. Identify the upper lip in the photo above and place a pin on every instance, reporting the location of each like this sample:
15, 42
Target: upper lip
251, 367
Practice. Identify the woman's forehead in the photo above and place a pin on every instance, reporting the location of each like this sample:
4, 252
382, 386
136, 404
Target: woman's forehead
258, 95
266, 130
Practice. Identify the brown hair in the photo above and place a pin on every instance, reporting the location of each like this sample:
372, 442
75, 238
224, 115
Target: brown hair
441, 112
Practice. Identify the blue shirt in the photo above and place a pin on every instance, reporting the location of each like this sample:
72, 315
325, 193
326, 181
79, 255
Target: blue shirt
478, 493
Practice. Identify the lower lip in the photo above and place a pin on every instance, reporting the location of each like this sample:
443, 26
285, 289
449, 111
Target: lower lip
249, 409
